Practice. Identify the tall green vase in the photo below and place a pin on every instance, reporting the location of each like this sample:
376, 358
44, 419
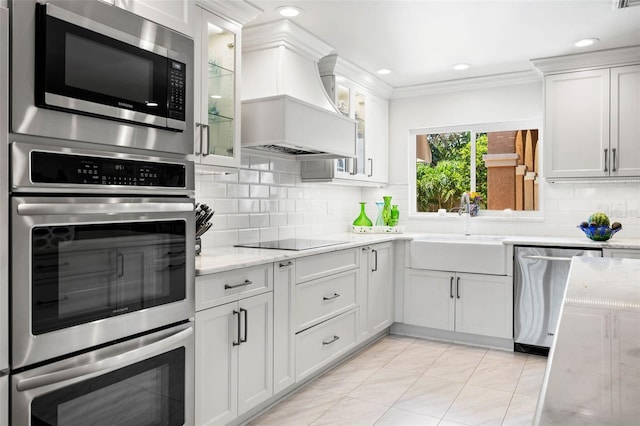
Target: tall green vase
362, 220
386, 210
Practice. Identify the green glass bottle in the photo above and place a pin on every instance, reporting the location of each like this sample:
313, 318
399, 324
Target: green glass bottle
386, 210
395, 215
362, 220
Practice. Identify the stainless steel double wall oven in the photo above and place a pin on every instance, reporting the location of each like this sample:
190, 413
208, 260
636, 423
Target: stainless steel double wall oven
101, 212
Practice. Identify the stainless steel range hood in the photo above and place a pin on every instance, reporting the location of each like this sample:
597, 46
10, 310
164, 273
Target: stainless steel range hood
285, 108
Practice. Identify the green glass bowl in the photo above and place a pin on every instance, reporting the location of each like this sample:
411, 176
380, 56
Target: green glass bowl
599, 233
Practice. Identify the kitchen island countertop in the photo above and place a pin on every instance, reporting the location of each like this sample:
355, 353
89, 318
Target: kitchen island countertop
593, 372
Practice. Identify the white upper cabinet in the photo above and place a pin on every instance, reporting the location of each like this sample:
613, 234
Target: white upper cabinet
365, 101
625, 121
175, 14
217, 85
592, 115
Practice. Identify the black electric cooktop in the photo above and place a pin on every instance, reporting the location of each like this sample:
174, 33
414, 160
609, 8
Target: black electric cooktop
290, 244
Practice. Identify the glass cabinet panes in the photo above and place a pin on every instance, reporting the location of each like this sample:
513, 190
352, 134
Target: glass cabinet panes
220, 90
359, 115
343, 99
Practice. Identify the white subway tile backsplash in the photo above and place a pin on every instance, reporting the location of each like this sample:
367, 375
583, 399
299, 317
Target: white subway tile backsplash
296, 192
227, 178
269, 234
287, 205
268, 178
260, 163
277, 219
269, 206
277, 192
211, 189
288, 179
248, 235
249, 176
224, 205
237, 190
259, 191
248, 205
259, 220
238, 221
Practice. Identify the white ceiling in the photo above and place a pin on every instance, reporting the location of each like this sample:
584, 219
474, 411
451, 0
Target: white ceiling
420, 40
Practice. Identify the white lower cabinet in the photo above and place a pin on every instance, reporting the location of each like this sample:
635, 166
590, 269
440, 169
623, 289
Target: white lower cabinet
454, 301
284, 363
234, 358
318, 346
375, 295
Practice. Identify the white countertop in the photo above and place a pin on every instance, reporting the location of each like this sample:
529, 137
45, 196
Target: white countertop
593, 373
227, 258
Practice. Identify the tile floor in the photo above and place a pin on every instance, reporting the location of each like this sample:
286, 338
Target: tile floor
404, 381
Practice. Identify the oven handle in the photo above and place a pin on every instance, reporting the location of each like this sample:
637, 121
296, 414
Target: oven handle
102, 208
113, 362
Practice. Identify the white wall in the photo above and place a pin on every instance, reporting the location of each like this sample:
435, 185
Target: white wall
563, 205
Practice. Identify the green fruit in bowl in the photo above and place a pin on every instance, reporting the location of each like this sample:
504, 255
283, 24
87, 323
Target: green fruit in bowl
599, 219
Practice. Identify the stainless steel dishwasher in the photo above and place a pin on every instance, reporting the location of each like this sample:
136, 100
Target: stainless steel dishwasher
540, 277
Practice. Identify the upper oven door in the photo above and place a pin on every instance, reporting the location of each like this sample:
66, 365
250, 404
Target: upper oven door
92, 72
87, 271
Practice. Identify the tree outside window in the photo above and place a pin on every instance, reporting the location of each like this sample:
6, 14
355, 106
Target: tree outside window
499, 166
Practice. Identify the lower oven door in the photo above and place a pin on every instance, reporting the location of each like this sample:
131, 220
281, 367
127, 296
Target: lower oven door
87, 271
146, 381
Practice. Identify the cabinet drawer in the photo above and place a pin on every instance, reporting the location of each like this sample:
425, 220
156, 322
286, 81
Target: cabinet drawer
319, 345
225, 287
321, 265
320, 299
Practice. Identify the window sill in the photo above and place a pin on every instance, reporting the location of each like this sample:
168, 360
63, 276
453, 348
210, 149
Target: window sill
484, 216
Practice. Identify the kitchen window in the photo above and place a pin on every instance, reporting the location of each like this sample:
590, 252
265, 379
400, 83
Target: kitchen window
496, 163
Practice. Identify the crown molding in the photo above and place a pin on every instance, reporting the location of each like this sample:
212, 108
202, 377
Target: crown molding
287, 34
588, 60
239, 11
484, 82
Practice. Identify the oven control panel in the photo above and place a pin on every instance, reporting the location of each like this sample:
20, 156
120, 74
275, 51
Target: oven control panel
50, 167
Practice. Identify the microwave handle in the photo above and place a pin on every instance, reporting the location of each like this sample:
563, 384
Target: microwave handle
33, 209
112, 363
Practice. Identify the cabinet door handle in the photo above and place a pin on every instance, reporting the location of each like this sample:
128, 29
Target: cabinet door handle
613, 162
330, 341
284, 265
199, 149
375, 268
606, 159
246, 320
243, 284
238, 341
370, 167
451, 288
458, 288
335, 296
205, 151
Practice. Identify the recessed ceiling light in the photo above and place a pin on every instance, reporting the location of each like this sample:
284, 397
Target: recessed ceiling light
585, 42
460, 67
383, 71
289, 11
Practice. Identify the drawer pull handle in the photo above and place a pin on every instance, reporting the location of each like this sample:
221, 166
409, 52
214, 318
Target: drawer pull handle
332, 340
335, 295
244, 284
284, 265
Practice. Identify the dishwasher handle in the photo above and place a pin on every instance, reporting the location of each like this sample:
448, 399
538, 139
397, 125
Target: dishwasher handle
551, 258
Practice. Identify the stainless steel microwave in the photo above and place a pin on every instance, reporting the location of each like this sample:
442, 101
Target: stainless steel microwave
93, 72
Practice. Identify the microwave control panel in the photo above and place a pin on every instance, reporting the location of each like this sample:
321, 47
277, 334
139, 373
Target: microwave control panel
176, 90
49, 167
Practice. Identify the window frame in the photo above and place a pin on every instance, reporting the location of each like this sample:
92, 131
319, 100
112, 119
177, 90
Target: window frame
474, 129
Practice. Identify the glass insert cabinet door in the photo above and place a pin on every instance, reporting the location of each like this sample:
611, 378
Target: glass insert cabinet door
219, 107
